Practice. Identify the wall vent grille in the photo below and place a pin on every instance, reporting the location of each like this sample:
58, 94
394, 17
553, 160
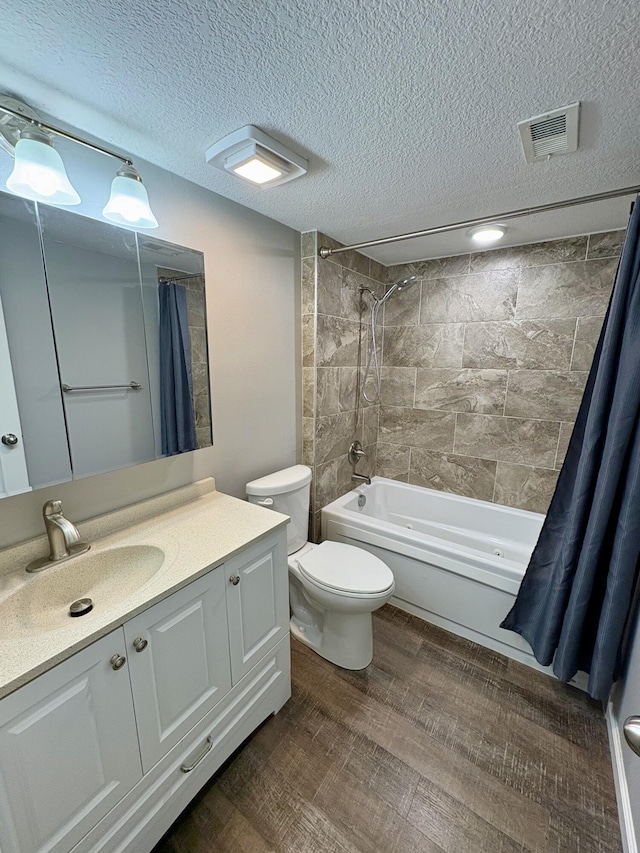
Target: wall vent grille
555, 132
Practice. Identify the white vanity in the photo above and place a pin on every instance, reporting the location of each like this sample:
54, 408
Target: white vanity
112, 721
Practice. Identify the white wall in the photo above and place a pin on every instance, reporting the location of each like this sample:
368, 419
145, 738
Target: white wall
252, 279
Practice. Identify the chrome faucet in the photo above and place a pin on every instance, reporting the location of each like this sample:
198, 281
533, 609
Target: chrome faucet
356, 453
64, 538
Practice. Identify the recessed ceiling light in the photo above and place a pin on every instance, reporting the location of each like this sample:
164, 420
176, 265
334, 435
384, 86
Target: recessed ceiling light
487, 234
255, 157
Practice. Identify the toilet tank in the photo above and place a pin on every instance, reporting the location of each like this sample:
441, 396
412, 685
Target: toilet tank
286, 491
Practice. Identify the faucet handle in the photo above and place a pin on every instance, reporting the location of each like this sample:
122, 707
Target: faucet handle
52, 508
356, 453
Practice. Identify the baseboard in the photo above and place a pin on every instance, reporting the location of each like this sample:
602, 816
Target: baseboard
622, 789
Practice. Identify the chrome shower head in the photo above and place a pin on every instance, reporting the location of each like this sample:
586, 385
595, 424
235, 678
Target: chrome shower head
399, 285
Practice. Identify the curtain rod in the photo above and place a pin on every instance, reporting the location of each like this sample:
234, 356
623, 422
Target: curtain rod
325, 251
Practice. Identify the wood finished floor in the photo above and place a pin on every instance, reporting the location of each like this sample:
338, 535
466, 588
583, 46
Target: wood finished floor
439, 745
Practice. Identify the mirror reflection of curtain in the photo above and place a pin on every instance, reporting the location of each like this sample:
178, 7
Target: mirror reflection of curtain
176, 384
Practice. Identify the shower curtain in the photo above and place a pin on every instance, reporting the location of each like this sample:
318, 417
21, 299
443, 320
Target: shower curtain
576, 597
177, 418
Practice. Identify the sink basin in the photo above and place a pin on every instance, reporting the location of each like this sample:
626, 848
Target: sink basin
107, 577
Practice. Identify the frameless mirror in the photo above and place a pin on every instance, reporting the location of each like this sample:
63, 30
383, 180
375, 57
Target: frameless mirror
103, 347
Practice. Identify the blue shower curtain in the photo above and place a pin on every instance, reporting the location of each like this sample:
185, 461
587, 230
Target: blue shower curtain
177, 418
576, 597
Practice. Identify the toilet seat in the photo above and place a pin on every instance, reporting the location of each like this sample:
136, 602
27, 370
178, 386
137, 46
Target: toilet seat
345, 569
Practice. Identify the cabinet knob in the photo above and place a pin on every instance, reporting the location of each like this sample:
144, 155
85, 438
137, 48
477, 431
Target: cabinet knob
139, 644
9, 439
117, 662
234, 579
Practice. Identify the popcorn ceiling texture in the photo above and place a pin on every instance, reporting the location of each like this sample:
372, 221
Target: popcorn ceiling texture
406, 110
484, 365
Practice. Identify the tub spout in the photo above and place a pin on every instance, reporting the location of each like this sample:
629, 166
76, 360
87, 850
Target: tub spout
361, 478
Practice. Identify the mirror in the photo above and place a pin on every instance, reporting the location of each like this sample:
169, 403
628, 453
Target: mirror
103, 347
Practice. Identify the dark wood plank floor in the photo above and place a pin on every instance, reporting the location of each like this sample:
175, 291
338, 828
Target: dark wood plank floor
440, 745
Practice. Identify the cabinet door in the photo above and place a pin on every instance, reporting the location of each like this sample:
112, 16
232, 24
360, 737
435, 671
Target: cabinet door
257, 602
182, 667
68, 751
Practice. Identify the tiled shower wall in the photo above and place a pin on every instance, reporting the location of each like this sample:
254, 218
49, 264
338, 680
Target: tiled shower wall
335, 335
484, 364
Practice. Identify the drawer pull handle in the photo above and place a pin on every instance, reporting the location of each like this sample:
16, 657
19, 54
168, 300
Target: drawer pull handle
234, 579
187, 768
117, 662
139, 644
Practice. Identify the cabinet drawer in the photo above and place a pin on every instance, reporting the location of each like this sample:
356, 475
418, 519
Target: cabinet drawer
179, 657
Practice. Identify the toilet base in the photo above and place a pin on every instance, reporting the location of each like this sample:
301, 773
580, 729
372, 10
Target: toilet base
346, 641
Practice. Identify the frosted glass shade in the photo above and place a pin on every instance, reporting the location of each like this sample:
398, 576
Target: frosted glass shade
39, 172
129, 202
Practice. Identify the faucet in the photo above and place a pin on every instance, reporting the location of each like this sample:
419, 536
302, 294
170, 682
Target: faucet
356, 453
64, 538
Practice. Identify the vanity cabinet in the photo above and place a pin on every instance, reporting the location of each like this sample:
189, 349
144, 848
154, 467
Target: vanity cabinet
104, 751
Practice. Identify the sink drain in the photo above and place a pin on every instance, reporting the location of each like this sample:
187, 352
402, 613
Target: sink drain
81, 607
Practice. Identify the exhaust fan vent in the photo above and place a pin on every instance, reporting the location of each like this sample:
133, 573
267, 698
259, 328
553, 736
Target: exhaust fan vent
551, 133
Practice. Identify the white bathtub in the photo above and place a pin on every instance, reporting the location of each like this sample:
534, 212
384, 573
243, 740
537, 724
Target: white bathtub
457, 562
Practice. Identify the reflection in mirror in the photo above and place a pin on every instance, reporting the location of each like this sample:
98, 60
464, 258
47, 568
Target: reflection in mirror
103, 347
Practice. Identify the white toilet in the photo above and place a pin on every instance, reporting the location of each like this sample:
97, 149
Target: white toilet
333, 588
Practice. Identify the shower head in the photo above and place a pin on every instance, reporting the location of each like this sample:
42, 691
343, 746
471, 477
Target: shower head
398, 286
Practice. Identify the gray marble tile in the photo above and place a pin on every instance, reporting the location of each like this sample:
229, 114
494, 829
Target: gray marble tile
533, 254
334, 434
329, 286
202, 410
417, 428
580, 289
198, 338
552, 395
507, 439
530, 344
397, 386
308, 286
393, 461
524, 486
308, 340
328, 391
367, 425
338, 342
447, 472
352, 260
195, 307
430, 268
606, 245
203, 437
566, 429
308, 245
461, 390
308, 426
308, 386
355, 305
332, 479
423, 346
587, 335
200, 376
403, 308
349, 389
377, 271
470, 298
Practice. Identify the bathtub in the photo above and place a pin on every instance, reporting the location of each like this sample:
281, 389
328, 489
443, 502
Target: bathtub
457, 562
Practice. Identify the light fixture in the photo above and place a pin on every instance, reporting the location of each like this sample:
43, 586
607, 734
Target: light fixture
39, 173
253, 156
487, 234
129, 202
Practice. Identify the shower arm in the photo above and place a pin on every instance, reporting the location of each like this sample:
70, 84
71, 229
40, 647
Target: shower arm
325, 251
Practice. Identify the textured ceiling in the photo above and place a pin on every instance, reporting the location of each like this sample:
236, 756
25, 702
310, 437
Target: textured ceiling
406, 109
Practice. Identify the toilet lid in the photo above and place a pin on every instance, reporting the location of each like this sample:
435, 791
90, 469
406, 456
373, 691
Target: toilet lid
346, 568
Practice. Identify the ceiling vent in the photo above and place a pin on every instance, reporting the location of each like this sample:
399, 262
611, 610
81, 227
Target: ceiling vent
551, 133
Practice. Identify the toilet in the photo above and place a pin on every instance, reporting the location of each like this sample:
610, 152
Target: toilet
333, 587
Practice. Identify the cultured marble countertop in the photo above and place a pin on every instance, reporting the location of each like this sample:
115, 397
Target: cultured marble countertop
197, 527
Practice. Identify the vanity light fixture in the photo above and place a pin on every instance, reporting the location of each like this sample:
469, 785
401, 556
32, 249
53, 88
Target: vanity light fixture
257, 158
487, 234
39, 173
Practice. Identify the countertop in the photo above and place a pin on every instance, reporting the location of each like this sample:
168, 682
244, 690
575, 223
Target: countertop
197, 527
